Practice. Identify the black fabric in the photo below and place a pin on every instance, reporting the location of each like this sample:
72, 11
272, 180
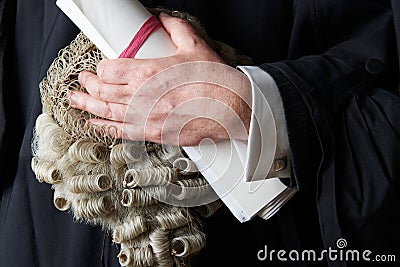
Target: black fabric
32, 231
3, 35
340, 90
336, 66
396, 18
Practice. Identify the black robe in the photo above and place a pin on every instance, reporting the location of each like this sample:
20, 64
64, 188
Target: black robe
336, 65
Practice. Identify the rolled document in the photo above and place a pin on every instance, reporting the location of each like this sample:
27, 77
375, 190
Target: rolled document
111, 25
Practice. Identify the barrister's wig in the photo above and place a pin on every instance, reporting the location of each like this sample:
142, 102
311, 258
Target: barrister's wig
121, 186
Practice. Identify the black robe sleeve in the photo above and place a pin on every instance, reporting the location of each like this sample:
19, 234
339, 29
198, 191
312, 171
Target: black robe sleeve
340, 94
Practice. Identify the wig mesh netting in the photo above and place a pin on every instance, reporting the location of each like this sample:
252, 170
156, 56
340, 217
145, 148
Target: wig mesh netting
119, 185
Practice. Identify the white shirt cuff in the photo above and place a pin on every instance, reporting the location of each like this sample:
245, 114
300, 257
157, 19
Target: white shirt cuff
227, 167
266, 154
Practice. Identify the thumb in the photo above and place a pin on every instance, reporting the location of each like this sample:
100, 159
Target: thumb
182, 33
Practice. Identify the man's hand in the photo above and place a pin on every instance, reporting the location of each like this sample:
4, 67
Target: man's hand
177, 100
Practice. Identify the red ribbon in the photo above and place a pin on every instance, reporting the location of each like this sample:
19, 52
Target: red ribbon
148, 27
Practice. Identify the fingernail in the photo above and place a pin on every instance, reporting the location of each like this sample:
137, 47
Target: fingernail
100, 67
72, 98
80, 77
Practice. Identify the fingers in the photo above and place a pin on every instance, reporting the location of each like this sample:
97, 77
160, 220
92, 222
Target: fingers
115, 128
127, 131
187, 136
116, 71
107, 110
133, 132
182, 33
103, 91
124, 71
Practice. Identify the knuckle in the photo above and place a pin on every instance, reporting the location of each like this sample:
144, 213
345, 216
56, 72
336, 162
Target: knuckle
155, 134
108, 69
181, 21
146, 73
106, 111
117, 73
194, 43
119, 115
100, 89
143, 74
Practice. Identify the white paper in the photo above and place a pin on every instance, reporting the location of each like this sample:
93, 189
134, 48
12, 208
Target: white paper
111, 25
220, 164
